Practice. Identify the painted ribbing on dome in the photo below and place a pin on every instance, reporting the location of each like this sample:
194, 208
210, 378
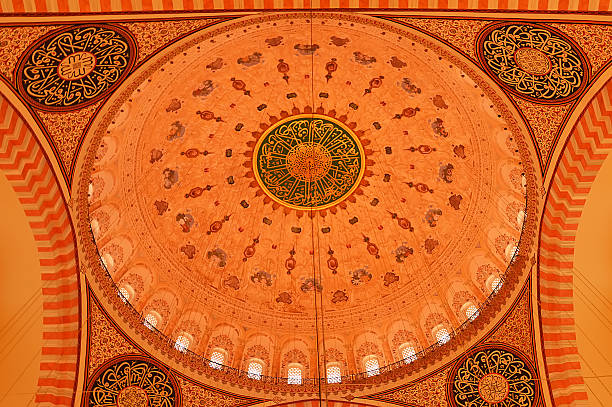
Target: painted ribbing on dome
588, 145
24, 165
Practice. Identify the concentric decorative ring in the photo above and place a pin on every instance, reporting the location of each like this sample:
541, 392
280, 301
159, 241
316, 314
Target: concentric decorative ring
130, 381
308, 161
75, 66
534, 62
493, 375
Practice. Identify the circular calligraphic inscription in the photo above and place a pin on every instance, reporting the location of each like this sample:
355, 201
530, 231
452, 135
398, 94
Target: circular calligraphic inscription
308, 161
133, 396
493, 375
131, 381
493, 388
534, 62
75, 66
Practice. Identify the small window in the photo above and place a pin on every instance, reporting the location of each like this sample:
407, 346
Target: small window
334, 375
496, 284
255, 370
182, 343
216, 359
371, 366
294, 375
150, 321
471, 312
409, 354
124, 294
442, 336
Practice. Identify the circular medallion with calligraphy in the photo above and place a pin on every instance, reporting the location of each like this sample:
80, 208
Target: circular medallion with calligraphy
131, 381
493, 375
308, 161
533, 61
75, 66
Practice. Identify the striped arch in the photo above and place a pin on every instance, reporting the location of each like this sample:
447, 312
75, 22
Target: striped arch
587, 147
104, 6
25, 166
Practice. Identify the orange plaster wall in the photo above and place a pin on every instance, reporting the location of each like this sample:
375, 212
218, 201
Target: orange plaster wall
20, 303
593, 289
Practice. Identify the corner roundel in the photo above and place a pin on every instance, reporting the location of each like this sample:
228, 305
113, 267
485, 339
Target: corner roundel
75, 66
534, 62
493, 375
130, 381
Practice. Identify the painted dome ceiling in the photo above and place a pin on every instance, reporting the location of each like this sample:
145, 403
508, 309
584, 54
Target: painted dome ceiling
288, 170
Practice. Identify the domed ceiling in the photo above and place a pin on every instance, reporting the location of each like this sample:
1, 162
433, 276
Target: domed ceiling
291, 177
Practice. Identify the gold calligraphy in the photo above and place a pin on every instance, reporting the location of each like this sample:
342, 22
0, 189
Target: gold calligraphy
533, 61
133, 382
308, 161
494, 376
75, 66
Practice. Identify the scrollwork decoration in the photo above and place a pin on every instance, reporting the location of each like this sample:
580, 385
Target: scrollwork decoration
131, 381
308, 161
75, 66
494, 375
533, 62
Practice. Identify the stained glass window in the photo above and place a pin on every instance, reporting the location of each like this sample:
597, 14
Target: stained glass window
182, 343
442, 336
124, 294
334, 374
150, 321
216, 359
471, 312
409, 354
371, 366
255, 370
294, 375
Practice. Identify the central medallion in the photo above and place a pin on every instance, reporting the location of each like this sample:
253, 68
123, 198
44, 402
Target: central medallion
308, 161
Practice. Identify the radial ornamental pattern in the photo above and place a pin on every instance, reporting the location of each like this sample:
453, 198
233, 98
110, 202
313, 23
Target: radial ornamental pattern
133, 382
75, 66
494, 376
308, 161
534, 62
258, 174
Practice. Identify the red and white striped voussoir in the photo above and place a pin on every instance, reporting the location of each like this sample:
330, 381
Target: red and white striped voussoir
588, 145
25, 166
104, 6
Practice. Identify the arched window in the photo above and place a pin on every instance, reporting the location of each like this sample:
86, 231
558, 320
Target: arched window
442, 335
470, 310
408, 353
334, 374
217, 357
370, 363
511, 251
150, 321
124, 294
255, 369
108, 262
95, 227
494, 283
294, 374
182, 343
